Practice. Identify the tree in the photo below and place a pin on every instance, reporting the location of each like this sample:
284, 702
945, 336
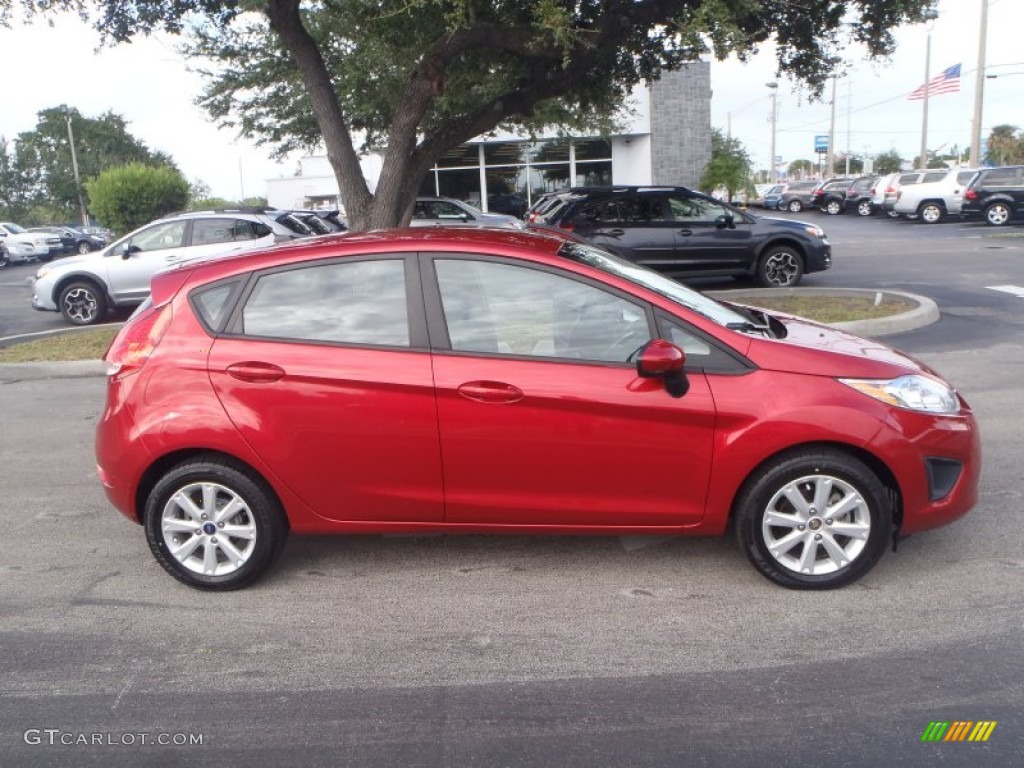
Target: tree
888, 162
1005, 146
729, 166
126, 197
800, 168
423, 76
100, 143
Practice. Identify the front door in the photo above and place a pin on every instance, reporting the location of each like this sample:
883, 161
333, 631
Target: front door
543, 419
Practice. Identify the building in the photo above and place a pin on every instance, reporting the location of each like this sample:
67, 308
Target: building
666, 141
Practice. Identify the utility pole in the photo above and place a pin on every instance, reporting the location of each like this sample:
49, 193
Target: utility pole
74, 165
979, 89
830, 153
773, 175
923, 157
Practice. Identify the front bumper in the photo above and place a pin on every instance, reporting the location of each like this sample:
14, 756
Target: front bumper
42, 297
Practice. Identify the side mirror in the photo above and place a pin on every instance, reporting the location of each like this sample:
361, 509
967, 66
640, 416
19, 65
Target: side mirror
663, 359
724, 221
128, 250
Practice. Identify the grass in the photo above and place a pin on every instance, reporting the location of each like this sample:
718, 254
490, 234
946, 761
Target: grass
831, 309
73, 345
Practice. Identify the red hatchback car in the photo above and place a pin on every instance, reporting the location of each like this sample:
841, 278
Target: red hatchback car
508, 382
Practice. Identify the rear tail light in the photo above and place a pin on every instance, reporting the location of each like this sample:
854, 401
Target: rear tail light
567, 226
971, 194
133, 345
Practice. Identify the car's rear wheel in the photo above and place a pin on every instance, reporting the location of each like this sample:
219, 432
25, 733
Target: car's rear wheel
865, 208
893, 215
813, 519
5, 260
795, 206
214, 525
998, 214
930, 213
833, 207
780, 267
83, 303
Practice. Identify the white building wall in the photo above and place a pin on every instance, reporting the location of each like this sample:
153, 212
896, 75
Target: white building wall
631, 160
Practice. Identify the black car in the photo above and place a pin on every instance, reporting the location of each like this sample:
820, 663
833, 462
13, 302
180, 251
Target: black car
680, 232
996, 195
73, 240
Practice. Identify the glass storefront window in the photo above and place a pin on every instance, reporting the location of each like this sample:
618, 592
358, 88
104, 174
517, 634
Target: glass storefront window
593, 149
467, 154
594, 174
462, 184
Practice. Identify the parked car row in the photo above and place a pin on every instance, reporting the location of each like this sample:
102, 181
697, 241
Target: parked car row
995, 195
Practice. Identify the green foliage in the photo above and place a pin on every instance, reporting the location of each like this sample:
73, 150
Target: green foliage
420, 77
799, 168
128, 196
1005, 146
36, 171
888, 162
856, 165
729, 166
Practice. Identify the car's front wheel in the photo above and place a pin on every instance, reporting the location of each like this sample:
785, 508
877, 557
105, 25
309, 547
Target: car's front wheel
833, 207
998, 214
795, 206
213, 524
813, 519
780, 267
82, 303
930, 213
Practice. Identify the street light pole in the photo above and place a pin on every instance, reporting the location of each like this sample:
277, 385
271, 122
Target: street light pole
830, 154
923, 161
979, 89
773, 176
74, 165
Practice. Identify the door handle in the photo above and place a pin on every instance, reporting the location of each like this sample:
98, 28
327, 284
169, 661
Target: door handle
615, 232
490, 392
255, 372
686, 232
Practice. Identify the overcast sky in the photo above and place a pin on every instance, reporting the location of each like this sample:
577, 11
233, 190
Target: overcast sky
148, 83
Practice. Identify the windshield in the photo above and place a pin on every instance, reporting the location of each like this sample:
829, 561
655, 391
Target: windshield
670, 289
14, 229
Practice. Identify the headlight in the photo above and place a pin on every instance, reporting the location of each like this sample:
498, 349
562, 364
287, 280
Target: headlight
913, 392
816, 232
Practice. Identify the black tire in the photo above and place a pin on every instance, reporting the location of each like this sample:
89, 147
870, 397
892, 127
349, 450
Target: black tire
84, 247
930, 213
82, 303
894, 215
998, 214
5, 260
865, 208
780, 267
833, 207
795, 206
258, 520
809, 560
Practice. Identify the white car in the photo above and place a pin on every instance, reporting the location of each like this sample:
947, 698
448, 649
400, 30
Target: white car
931, 200
82, 288
23, 245
448, 212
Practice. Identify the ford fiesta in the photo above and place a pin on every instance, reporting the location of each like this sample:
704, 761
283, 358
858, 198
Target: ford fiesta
508, 382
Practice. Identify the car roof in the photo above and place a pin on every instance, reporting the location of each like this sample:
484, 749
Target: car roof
408, 240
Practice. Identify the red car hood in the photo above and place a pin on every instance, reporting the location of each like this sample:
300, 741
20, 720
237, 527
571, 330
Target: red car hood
821, 350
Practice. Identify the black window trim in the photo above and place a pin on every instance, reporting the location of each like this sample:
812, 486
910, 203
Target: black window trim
415, 311
743, 365
437, 327
238, 283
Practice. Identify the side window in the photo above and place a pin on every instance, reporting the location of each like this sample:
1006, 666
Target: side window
513, 310
212, 303
700, 353
210, 231
353, 302
695, 209
931, 178
1000, 177
636, 210
243, 229
445, 210
160, 237
964, 176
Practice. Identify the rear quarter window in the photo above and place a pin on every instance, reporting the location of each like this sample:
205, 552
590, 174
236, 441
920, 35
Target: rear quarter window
212, 303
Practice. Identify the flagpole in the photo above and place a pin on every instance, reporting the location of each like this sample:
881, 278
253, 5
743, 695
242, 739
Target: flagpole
927, 87
979, 90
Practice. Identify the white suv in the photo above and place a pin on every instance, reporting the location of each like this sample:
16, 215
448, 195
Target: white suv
83, 287
931, 200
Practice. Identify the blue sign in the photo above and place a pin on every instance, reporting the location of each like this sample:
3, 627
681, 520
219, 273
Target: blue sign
821, 143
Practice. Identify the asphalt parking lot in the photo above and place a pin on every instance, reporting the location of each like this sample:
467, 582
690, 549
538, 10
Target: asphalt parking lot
508, 651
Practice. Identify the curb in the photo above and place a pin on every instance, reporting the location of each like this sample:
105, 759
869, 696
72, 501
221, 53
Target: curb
925, 313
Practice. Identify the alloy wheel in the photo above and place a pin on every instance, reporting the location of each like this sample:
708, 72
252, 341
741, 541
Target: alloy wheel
208, 529
81, 306
997, 214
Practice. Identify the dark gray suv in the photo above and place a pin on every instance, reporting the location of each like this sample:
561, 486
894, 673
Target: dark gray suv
684, 233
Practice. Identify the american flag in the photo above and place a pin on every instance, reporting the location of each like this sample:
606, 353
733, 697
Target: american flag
947, 82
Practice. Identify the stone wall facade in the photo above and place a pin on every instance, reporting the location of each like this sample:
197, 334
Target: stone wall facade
681, 125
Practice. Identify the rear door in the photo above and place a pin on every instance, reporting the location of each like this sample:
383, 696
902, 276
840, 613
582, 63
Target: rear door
325, 371
222, 235
636, 226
